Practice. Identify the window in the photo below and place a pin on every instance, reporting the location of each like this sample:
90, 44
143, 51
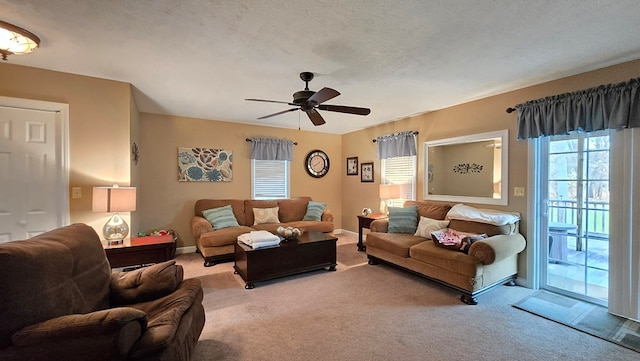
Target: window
269, 179
400, 171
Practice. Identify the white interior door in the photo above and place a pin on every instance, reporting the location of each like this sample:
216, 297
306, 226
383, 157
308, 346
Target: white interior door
33, 180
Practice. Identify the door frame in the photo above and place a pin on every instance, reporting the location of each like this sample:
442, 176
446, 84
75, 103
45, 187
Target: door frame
62, 145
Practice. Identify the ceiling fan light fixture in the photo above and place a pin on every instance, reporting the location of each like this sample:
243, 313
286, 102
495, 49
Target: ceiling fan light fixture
16, 40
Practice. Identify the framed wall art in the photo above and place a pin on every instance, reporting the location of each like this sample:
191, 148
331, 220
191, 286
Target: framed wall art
366, 172
204, 165
352, 166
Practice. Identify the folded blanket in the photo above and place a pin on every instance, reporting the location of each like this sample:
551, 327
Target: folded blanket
259, 239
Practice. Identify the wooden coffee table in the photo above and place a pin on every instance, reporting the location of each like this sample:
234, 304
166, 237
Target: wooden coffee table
311, 251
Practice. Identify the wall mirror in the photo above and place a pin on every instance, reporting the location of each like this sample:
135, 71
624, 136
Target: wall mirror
468, 169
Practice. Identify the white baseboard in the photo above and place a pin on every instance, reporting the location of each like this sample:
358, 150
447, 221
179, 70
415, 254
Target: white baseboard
183, 250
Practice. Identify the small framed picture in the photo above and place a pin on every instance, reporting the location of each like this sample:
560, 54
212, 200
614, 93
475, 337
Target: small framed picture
366, 172
352, 166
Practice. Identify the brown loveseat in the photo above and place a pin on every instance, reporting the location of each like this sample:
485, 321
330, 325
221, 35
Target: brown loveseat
490, 261
218, 245
61, 301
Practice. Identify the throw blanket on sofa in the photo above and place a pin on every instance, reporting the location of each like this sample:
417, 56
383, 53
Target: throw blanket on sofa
259, 239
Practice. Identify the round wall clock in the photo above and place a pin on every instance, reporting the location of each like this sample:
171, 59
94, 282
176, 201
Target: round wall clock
317, 163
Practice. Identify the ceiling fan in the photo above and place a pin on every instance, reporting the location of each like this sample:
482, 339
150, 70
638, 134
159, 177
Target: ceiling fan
310, 102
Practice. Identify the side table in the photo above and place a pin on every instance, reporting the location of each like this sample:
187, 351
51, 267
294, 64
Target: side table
365, 222
141, 250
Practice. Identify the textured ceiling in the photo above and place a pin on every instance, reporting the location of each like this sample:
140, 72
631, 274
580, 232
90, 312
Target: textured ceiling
202, 58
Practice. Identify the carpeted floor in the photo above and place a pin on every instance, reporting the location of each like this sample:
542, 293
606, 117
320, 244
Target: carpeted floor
583, 316
364, 312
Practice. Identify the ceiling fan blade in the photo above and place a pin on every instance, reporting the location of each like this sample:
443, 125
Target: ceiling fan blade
344, 109
323, 95
269, 101
315, 117
278, 113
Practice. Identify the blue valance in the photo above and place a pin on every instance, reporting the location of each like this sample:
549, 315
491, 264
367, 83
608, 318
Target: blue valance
271, 149
396, 145
613, 106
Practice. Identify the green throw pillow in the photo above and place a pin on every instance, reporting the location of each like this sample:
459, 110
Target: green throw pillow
403, 220
314, 211
221, 217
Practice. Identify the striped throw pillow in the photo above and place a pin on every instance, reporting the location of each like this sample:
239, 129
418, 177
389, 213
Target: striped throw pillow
221, 217
314, 211
403, 220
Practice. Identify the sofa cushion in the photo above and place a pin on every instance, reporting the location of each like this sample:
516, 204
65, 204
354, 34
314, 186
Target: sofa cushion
222, 237
403, 219
314, 211
220, 218
236, 204
446, 259
292, 209
265, 215
433, 210
250, 204
394, 243
65, 267
427, 225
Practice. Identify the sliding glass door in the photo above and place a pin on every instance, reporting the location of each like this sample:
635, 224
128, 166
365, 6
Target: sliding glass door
574, 194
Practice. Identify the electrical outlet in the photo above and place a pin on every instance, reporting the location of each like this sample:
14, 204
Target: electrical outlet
518, 191
76, 192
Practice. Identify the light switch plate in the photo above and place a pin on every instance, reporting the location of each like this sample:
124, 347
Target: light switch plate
76, 192
518, 191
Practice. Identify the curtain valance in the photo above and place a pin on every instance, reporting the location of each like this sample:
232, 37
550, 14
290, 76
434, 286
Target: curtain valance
271, 149
396, 145
612, 106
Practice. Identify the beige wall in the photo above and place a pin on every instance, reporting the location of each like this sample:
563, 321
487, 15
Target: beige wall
103, 123
99, 127
167, 203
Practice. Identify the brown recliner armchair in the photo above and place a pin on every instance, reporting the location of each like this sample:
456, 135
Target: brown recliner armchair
59, 300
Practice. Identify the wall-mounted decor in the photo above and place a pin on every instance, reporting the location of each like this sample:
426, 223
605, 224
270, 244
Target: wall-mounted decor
366, 172
352, 166
204, 165
466, 168
135, 153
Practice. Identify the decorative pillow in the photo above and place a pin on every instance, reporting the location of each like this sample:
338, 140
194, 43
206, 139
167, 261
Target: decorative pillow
489, 216
455, 240
265, 215
403, 220
221, 217
314, 211
428, 225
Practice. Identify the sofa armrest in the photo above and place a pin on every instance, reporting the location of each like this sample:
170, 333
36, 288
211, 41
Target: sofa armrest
200, 226
145, 284
109, 332
379, 225
497, 248
327, 216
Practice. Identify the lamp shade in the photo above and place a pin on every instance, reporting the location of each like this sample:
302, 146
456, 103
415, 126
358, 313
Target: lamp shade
390, 191
114, 199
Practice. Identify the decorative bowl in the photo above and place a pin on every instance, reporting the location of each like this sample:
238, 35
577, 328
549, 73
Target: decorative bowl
289, 233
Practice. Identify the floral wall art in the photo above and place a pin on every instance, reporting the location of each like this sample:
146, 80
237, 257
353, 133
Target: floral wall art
204, 165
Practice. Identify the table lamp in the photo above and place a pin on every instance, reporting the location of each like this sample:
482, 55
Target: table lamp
114, 199
387, 192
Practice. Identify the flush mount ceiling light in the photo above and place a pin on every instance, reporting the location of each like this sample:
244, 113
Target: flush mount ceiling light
16, 40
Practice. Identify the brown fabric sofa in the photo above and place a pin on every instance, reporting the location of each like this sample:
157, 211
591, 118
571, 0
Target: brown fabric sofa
61, 301
490, 262
218, 245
